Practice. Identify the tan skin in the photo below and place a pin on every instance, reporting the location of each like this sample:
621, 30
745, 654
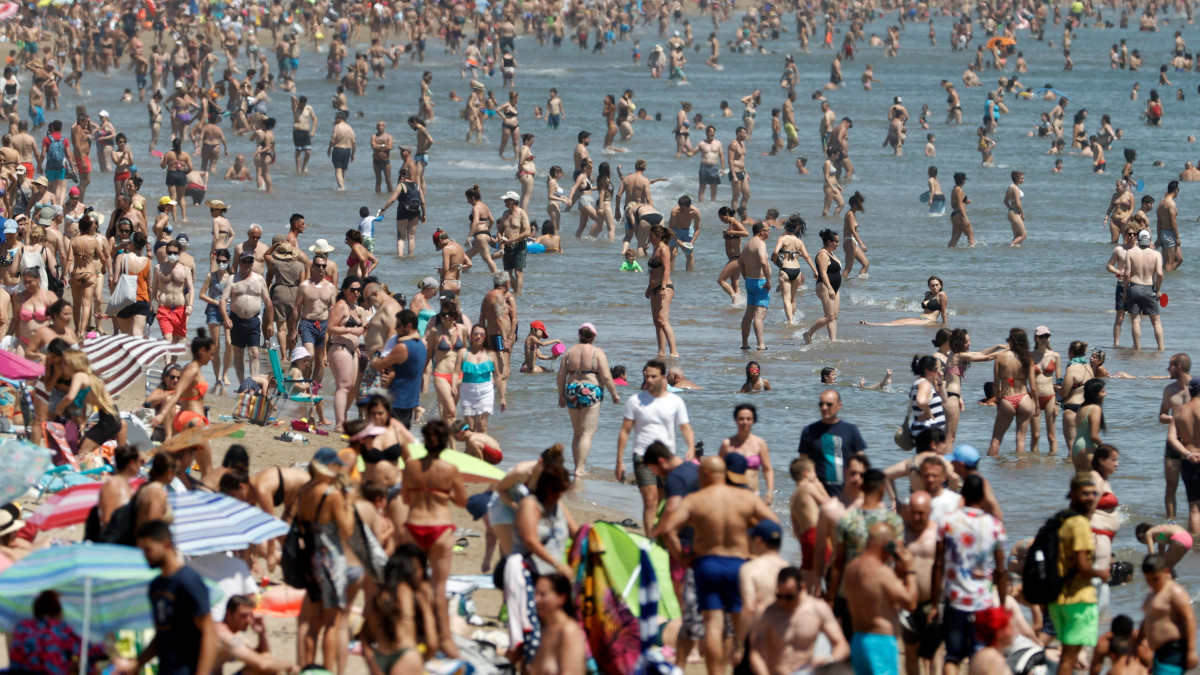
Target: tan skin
430, 486
190, 380
117, 491
831, 300
961, 224
1072, 390
338, 508
1008, 366
1048, 364
660, 295
927, 318
447, 363
563, 650
749, 444
87, 259
954, 381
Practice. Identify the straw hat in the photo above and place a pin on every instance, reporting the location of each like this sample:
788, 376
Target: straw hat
10, 519
321, 246
217, 204
284, 251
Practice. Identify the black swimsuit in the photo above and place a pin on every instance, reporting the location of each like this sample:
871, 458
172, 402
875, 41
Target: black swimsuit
834, 273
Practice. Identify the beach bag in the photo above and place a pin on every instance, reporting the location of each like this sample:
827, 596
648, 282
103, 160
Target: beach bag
1040, 578
125, 292
253, 408
903, 436
372, 379
298, 547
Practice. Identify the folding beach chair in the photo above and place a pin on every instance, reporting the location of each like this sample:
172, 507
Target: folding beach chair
283, 384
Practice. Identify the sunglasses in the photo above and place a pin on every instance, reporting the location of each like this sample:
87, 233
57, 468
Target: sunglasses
355, 289
825, 404
786, 596
247, 261
320, 267
255, 236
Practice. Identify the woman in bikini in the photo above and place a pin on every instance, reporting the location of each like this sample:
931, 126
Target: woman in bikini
1106, 519
87, 389
178, 165
1168, 540
86, 261
396, 619
430, 485
1014, 380
958, 361
481, 378
526, 169
556, 199
582, 379
933, 307
444, 348
479, 236
1088, 424
59, 327
852, 245
960, 224
754, 380
264, 154
563, 647
155, 110
1078, 371
30, 308
1046, 366
583, 195
511, 130
1016, 209
189, 395
360, 262
606, 219
789, 251
347, 324
610, 113
660, 290
752, 447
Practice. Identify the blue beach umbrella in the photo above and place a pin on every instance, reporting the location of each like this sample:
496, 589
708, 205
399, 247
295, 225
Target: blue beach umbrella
211, 523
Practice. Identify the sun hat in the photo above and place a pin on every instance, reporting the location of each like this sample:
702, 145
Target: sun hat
540, 326
300, 352
321, 246
217, 204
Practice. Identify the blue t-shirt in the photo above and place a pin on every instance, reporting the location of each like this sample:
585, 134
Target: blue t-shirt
827, 445
177, 601
682, 481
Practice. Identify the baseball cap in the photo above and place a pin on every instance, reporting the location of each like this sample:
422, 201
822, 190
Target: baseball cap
1144, 238
1082, 479
246, 255
21, 170
766, 529
735, 468
46, 216
511, 195
540, 326
369, 431
1041, 330
325, 460
10, 226
1193, 384
966, 455
163, 201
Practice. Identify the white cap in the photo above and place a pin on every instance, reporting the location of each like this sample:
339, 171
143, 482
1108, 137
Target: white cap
511, 195
1144, 238
104, 113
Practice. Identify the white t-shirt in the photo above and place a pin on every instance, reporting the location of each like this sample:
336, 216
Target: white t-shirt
654, 419
230, 574
367, 226
943, 505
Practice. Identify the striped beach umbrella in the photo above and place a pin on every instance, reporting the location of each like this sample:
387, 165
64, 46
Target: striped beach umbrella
71, 506
211, 523
119, 359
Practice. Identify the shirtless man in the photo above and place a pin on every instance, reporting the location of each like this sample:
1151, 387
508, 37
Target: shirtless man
826, 125
1170, 623
921, 639
454, 261
174, 289
238, 170
1168, 228
897, 116
785, 637
253, 245
581, 153
421, 157
789, 121
757, 578
1174, 396
832, 511
239, 616
1187, 426
381, 153
246, 297
1116, 266
839, 139
805, 506
554, 110
383, 322
755, 268
512, 230
1190, 173
27, 146
310, 320
1143, 277
720, 515
211, 138
341, 149
733, 233
712, 163
684, 222
875, 593
304, 126
739, 180
498, 316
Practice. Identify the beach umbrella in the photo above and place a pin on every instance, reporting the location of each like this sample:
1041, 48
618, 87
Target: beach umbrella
119, 359
71, 506
16, 367
610, 625
102, 588
652, 661
8, 10
211, 523
199, 434
24, 465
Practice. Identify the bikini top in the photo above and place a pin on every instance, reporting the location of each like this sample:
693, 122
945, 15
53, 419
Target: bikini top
444, 344
351, 322
34, 315
1108, 501
654, 263
392, 454
477, 373
201, 389
932, 305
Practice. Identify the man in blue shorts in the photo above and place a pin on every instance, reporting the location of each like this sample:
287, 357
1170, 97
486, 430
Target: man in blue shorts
685, 226
756, 270
721, 516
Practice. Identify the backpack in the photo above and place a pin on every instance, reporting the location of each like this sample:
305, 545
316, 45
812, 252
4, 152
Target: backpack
410, 202
298, 548
56, 154
1042, 584
121, 528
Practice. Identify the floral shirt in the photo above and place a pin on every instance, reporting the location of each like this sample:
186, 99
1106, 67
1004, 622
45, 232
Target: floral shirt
853, 528
970, 538
46, 646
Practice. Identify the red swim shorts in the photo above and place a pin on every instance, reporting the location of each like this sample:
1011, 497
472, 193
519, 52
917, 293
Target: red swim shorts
172, 320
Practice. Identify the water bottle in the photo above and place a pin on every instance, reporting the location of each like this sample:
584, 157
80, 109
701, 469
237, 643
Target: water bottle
225, 418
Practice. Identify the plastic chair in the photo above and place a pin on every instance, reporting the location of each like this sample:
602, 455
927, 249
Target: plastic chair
154, 378
282, 384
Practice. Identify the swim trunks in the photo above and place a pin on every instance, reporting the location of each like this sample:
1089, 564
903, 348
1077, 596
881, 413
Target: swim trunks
1189, 474
514, 257
874, 654
1120, 298
341, 158
1142, 300
1077, 624
245, 332
301, 139
710, 174
717, 582
757, 294
1165, 239
311, 332
172, 320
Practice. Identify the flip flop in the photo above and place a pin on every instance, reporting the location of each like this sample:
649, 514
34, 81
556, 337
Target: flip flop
461, 544
629, 522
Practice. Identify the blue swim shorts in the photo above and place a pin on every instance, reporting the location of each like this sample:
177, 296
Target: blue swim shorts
874, 654
757, 294
717, 582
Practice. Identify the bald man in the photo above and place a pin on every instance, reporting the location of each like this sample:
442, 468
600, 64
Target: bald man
875, 594
720, 515
253, 244
919, 628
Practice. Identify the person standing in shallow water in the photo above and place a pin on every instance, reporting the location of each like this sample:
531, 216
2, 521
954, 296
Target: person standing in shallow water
829, 282
582, 379
960, 223
1016, 209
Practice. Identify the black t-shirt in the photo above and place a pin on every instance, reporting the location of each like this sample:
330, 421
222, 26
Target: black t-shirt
177, 601
682, 481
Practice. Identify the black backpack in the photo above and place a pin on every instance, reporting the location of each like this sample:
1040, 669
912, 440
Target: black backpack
298, 548
1040, 578
410, 201
121, 528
